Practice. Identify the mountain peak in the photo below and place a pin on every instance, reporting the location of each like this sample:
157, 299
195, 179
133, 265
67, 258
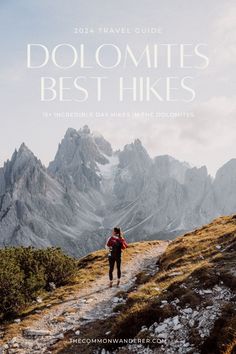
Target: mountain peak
23, 153
135, 145
21, 164
229, 166
24, 149
85, 130
70, 132
23, 146
166, 166
137, 142
78, 155
134, 153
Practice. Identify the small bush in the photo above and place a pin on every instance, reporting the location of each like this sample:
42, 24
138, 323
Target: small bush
59, 268
11, 286
25, 272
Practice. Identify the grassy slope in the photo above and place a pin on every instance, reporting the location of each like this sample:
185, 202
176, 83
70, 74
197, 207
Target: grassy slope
201, 263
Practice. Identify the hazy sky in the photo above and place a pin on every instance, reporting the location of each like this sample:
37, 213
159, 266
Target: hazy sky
206, 139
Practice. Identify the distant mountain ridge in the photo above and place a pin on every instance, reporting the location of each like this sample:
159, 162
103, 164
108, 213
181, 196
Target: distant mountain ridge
88, 188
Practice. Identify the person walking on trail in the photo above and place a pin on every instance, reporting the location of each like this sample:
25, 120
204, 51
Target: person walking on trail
116, 243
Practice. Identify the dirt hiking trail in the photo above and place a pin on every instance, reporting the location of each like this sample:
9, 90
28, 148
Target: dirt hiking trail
94, 302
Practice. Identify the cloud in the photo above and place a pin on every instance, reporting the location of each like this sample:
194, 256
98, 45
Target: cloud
223, 36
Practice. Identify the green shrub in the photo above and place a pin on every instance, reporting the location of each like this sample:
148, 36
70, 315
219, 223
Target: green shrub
25, 272
59, 268
11, 286
34, 271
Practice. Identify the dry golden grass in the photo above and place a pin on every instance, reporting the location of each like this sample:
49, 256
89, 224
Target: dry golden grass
200, 264
231, 348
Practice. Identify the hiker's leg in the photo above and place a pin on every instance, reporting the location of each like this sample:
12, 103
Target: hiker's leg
111, 267
118, 263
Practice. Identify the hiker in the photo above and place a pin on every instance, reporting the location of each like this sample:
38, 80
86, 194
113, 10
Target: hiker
116, 243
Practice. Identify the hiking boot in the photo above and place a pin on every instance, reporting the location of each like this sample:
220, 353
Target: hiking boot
118, 283
110, 284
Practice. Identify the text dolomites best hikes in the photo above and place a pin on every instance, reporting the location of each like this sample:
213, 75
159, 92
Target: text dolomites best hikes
180, 61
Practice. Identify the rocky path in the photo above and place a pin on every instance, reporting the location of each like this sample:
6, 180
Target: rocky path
95, 302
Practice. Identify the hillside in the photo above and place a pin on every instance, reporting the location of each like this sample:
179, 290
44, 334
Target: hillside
182, 296
49, 318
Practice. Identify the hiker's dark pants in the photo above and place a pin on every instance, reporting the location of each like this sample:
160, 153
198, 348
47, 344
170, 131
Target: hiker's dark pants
112, 261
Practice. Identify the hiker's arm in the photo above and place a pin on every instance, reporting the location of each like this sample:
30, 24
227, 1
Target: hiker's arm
124, 244
108, 243
106, 246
